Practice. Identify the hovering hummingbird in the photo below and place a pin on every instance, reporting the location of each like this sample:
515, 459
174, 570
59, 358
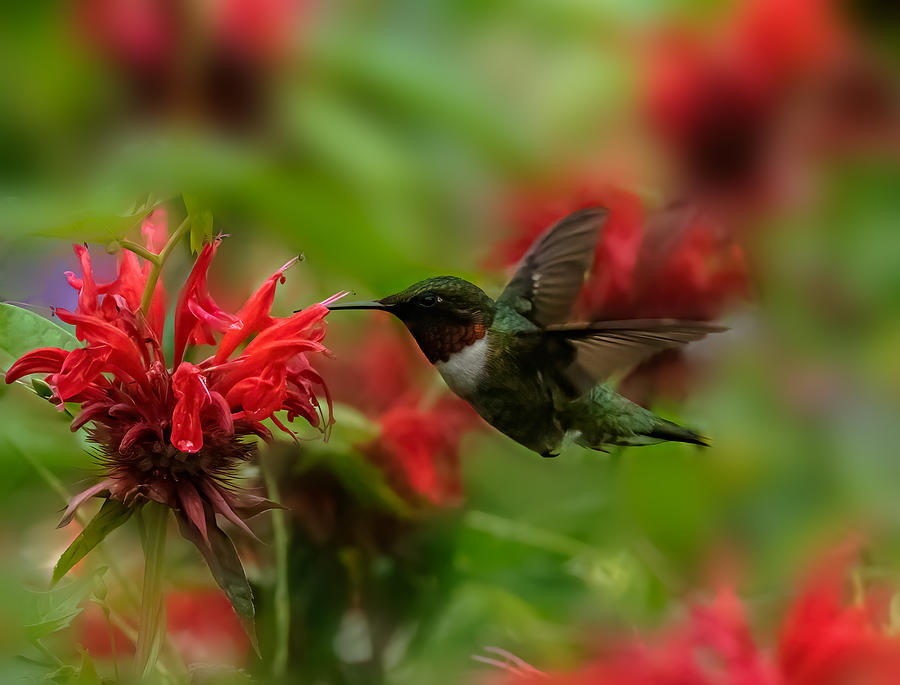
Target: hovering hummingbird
525, 368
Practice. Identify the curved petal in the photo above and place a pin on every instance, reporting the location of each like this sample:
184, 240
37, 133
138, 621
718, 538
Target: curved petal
87, 293
43, 360
193, 505
133, 433
194, 295
190, 394
154, 229
80, 369
221, 506
126, 356
81, 498
89, 412
254, 315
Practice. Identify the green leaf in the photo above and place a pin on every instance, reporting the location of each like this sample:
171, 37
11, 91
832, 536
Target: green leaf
96, 228
87, 674
55, 609
363, 479
62, 675
367, 482
151, 633
22, 330
225, 565
41, 389
111, 515
201, 219
102, 226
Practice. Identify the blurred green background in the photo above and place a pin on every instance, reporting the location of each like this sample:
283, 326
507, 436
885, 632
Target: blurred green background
393, 140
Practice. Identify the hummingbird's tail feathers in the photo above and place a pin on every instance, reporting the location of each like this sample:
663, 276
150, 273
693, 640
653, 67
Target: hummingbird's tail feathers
666, 430
602, 418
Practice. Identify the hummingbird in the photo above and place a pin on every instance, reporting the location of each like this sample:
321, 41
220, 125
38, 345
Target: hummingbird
523, 366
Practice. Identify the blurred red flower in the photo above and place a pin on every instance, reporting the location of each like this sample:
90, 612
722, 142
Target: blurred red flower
720, 103
823, 641
203, 628
214, 58
417, 446
200, 625
675, 263
101, 640
174, 433
390, 370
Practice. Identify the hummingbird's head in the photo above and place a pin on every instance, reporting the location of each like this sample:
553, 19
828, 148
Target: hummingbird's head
444, 314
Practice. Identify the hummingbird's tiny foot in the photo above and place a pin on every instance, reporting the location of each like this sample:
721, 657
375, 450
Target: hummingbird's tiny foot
547, 454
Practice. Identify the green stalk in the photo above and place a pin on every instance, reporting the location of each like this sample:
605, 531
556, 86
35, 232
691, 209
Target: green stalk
158, 262
153, 518
282, 594
57, 486
140, 251
112, 640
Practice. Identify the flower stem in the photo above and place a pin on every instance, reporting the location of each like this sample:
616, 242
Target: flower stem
158, 262
140, 251
153, 518
282, 594
110, 631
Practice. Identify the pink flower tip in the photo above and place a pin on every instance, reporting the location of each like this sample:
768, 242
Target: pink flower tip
335, 297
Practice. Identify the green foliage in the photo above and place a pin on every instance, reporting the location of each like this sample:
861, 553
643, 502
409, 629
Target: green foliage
389, 154
201, 219
22, 330
87, 674
362, 479
55, 609
225, 566
111, 515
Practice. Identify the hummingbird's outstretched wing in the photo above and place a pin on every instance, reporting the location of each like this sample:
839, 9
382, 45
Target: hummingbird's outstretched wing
590, 352
551, 274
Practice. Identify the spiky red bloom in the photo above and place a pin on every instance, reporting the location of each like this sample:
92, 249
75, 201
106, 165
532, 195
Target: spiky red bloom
823, 641
721, 104
418, 448
676, 263
417, 445
200, 625
174, 433
217, 59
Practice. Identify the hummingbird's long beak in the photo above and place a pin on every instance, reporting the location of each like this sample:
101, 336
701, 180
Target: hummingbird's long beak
368, 304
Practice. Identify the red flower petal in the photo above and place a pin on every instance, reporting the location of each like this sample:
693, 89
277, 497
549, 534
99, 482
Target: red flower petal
190, 394
43, 360
196, 309
87, 292
203, 627
80, 369
253, 315
154, 229
193, 506
125, 356
80, 499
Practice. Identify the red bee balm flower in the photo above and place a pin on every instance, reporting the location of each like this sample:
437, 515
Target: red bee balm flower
674, 262
174, 434
418, 437
823, 641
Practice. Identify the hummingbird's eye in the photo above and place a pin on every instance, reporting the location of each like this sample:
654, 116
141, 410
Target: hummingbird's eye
429, 300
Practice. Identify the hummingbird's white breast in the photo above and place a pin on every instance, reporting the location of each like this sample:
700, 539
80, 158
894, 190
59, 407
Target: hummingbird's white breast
464, 368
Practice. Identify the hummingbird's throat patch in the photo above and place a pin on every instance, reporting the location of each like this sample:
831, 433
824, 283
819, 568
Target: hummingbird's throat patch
439, 341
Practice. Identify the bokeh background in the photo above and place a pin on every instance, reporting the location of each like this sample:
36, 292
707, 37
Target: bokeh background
749, 152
